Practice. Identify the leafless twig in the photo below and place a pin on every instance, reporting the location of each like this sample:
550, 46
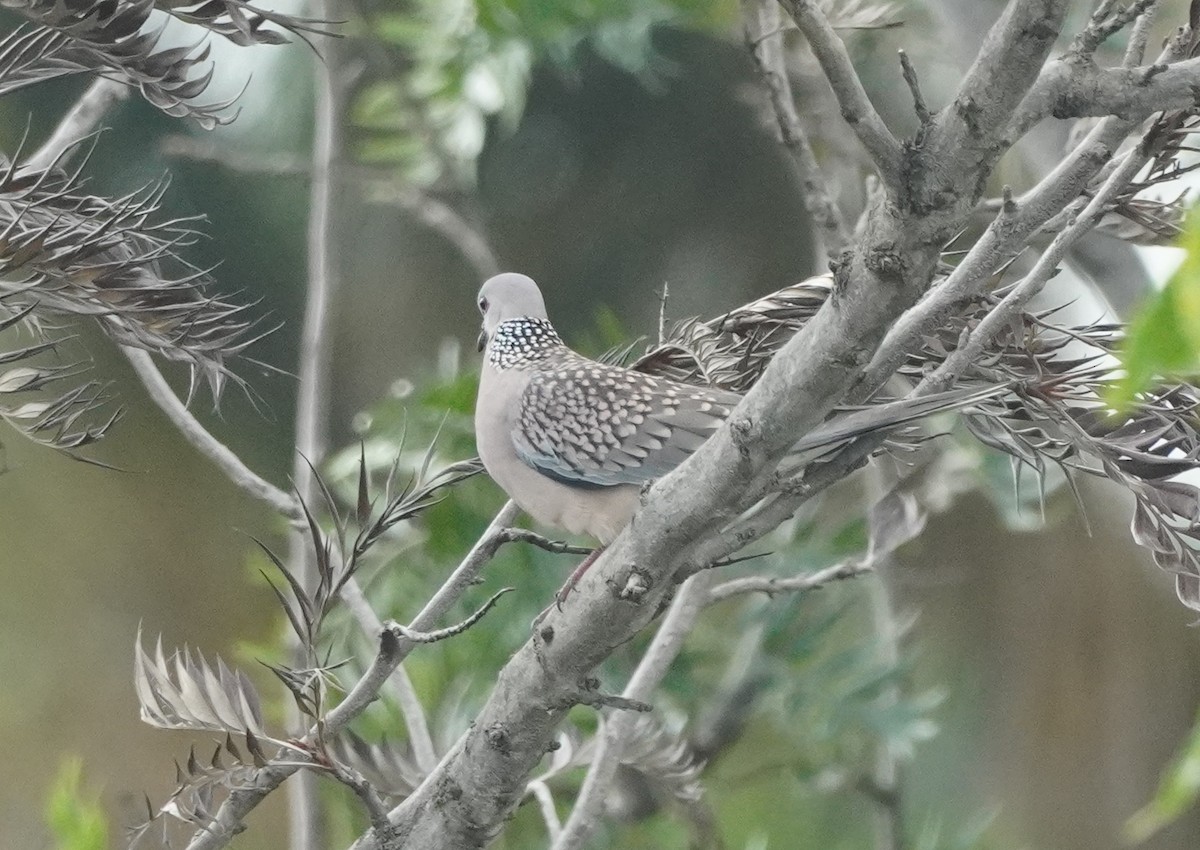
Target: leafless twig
558, 547
772, 586
667, 644
450, 631
202, 439
856, 107
914, 88
312, 401
81, 120
764, 37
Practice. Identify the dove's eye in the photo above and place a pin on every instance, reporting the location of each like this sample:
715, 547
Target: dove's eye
483, 305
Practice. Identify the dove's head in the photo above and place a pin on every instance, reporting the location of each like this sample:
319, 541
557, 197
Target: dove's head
508, 296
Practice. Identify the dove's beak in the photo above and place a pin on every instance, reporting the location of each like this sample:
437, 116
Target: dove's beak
482, 341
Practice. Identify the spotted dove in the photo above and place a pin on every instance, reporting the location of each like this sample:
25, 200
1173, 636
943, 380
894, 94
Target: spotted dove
572, 440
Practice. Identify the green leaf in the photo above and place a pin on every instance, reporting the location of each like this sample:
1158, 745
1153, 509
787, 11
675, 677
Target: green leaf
1164, 339
1177, 792
76, 820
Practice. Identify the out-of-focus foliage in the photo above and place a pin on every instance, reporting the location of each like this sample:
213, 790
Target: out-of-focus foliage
456, 63
1177, 792
1164, 339
75, 817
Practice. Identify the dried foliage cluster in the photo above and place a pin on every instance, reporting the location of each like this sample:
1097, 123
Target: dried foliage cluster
1056, 415
183, 691
65, 252
121, 41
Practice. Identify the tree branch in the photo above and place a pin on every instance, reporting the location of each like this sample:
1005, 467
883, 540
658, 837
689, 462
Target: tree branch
558, 547
450, 631
541, 792
434, 213
1006, 236
312, 401
1070, 88
663, 650
195, 433
1003, 239
402, 687
856, 107
443, 219
764, 38
242, 476
1013, 304
1007, 65
772, 586
81, 120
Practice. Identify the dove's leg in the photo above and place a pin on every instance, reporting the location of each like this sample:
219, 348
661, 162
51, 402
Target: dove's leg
565, 590
573, 579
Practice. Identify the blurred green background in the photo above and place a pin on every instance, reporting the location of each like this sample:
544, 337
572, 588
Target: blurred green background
1068, 672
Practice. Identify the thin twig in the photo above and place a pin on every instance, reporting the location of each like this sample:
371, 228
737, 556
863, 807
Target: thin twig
312, 402
887, 774
402, 688
80, 121
443, 219
195, 433
541, 792
773, 586
450, 631
436, 214
666, 646
764, 37
914, 88
377, 810
558, 547
219, 153
857, 109
1104, 23
1135, 49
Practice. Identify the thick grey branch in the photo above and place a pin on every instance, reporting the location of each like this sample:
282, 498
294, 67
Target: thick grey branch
1006, 67
1071, 88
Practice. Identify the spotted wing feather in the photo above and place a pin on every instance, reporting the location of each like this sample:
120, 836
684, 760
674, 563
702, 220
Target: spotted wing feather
588, 424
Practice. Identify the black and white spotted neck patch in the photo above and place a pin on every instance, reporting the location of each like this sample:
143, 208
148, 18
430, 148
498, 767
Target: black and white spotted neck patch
517, 342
